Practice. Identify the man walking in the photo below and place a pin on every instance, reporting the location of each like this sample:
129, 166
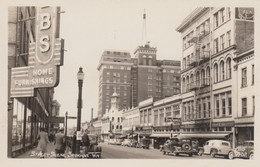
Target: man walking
59, 143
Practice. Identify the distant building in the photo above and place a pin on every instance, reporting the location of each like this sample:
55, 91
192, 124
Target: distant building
136, 79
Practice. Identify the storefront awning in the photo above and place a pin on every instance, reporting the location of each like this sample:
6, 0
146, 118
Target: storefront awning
166, 135
205, 135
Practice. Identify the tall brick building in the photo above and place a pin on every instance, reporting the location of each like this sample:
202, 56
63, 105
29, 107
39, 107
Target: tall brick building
136, 79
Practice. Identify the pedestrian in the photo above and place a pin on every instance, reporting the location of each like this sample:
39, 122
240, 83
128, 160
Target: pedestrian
74, 140
60, 144
42, 142
85, 141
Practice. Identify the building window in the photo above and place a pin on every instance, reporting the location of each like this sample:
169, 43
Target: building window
208, 76
253, 74
244, 77
222, 71
228, 65
183, 85
229, 106
223, 107
184, 111
204, 109
188, 83
228, 13
216, 73
228, 38
203, 81
188, 112
197, 79
184, 63
216, 20
217, 105
222, 15
199, 109
222, 41
216, 45
244, 106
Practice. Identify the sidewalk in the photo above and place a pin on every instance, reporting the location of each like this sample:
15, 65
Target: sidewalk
33, 153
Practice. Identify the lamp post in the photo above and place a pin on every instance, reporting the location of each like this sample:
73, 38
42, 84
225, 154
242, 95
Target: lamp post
80, 77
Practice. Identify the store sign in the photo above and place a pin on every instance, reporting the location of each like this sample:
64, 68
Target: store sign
245, 13
45, 57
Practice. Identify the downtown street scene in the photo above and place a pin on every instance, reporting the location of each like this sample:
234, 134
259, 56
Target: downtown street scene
117, 81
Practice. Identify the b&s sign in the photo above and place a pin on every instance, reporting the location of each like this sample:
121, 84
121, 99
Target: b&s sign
45, 56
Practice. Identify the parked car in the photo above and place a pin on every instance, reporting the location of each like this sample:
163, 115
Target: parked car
133, 143
126, 142
246, 150
145, 143
112, 141
179, 145
217, 147
119, 141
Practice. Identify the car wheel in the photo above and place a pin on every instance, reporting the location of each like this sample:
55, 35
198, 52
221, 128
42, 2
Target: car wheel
251, 156
213, 153
164, 152
231, 155
190, 155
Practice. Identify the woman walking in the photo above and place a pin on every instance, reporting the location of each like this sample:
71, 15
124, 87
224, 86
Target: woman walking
43, 141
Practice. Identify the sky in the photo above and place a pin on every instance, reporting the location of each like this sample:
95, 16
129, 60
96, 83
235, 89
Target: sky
91, 27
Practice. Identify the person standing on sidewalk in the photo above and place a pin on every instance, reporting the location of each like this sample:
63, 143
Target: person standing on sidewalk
60, 144
85, 142
43, 141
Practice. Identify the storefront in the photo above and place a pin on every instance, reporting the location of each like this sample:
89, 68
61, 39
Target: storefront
244, 129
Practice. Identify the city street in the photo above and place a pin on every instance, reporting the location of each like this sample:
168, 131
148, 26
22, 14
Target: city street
123, 152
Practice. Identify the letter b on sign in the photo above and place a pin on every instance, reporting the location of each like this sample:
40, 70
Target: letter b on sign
45, 21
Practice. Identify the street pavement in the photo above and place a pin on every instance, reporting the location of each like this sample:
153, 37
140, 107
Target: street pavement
124, 152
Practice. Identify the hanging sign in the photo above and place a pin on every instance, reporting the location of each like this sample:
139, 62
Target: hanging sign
45, 56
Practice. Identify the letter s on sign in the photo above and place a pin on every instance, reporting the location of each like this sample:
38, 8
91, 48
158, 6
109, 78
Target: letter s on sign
46, 21
45, 42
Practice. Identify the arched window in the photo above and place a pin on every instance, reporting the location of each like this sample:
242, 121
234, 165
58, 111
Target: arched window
191, 81
118, 119
183, 85
228, 62
203, 81
144, 60
198, 79
222, 71
187, 83
116, 126
216, 72
208, 75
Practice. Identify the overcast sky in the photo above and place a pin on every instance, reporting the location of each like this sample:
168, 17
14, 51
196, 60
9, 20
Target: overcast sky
91, 27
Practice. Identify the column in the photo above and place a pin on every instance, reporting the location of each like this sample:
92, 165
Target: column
164, 114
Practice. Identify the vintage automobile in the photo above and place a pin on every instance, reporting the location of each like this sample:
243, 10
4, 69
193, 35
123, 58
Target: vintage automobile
112, 141
94, 150
217, 147
145, 143
246, 150
119, 141
126, 142
133, 143
180, 145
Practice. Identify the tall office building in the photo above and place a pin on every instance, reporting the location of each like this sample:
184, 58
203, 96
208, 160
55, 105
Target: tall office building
114, 76
136, 79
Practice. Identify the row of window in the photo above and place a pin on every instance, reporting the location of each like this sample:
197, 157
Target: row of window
222, 71
222, 42
223, 104
116, 127
117, 67
221, 16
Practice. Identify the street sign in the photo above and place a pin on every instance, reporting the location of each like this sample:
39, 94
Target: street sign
70, 117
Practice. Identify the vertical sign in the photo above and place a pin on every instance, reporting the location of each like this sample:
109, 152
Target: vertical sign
45, 56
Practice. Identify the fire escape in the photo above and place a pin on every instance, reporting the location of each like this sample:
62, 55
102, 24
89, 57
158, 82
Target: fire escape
200, 79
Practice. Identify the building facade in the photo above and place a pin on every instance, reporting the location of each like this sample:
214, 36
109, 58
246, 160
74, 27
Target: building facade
211, 40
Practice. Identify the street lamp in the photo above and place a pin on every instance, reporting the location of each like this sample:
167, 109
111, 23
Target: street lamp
80, 77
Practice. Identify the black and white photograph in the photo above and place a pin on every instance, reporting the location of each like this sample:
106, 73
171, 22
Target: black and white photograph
114, 79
